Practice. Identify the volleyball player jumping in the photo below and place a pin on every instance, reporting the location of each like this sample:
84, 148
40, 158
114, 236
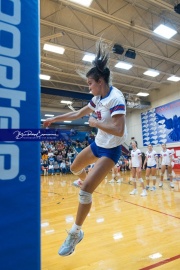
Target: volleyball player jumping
108, 104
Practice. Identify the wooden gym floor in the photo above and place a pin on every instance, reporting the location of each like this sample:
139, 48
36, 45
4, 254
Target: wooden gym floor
122, 231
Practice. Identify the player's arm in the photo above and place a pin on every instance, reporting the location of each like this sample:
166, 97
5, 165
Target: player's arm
157, 161
140, 161
161, 158
68, 116
116, 127
145, 161
170, 157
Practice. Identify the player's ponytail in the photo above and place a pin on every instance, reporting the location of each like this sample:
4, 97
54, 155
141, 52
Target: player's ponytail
100, 69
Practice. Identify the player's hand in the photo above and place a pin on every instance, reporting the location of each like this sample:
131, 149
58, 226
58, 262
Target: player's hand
48, 122
92, 121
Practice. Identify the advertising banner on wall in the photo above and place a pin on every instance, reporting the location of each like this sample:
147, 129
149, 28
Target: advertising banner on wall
161, 124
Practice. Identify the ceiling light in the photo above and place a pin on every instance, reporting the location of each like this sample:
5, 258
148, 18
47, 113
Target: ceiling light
66, 102
142, 94
89, 57
151, 72
67, 121
42, 120
49, 115
165, 31
174, 79
86, 123
85, 3
53, 48
123, 65
44, 77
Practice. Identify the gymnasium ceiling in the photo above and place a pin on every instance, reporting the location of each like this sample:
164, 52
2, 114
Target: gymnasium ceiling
129, 23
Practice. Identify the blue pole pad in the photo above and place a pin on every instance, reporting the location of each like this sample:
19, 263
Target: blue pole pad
19, 109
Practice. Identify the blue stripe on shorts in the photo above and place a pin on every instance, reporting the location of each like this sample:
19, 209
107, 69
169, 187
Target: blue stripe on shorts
149, 167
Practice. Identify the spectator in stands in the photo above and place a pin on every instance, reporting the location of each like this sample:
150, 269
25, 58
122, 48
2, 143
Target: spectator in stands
45, 167
45, 155
68, 164
62, 167
73, 132
59, 157
51, 168
50, 153
56, 167
51, 159
69, 155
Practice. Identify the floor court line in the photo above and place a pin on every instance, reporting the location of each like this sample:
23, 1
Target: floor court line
161, 263
139, 205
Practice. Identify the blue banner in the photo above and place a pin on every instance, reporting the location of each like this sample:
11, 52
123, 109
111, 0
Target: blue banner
30, 135
19, 109
162, 124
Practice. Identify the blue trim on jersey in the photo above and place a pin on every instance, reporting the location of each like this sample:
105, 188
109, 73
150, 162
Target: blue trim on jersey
116, 108
92, 104
110, 89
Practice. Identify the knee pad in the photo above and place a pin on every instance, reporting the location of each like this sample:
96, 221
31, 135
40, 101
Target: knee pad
153, 177
77, 173
85, 197
140, 180
113, 175
133, 180
147, 177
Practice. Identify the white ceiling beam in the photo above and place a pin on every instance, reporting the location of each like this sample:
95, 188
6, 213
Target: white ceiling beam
162, 4
114, 60
115, 20
51, 36
82, 67
92, 37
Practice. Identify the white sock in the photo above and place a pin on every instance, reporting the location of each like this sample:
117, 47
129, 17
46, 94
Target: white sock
75, 228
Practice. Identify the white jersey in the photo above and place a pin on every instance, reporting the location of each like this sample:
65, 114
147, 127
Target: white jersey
166, 157
151, 158
105, 108
135, 161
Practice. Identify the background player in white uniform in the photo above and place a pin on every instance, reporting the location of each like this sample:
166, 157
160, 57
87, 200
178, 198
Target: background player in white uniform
108, 104
166, 161
151, 160
135, 166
